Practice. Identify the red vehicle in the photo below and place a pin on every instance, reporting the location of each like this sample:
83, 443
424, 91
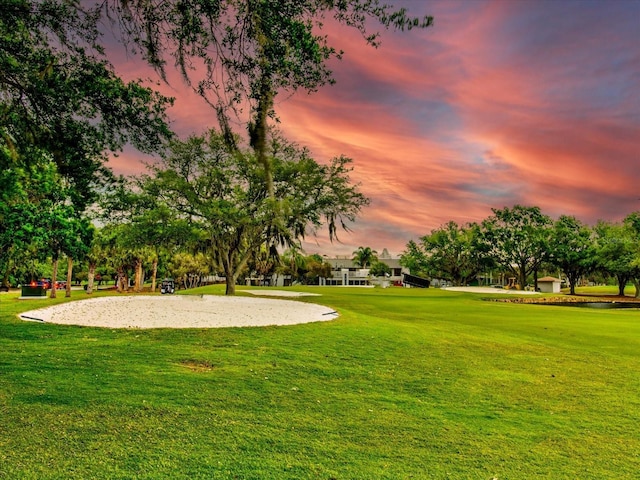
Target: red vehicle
46, 284
43, 282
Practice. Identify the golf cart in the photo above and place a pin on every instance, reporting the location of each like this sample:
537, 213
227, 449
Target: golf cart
167, 286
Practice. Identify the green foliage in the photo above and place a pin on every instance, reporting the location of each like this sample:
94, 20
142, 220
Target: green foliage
522, 240
147, 228
449, 253
60, 97
572, 248
249, 50
364, 256
188, 269
415, 260
316, 268
292, 262
379, 269
617, 251
517, 239
35, 220
224, 193
406, 383
304, 270
62, 111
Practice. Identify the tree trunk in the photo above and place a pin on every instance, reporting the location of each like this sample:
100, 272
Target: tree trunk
535, 280
573, 279
138, 276
122, 282
522, 278
54, 275
636, 283
90, 278
69, 276
7, 271
5, 276
258, 130
154, 275
230, 278
622, 282
230, 286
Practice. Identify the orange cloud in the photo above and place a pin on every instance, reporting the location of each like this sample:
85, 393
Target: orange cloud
499, 103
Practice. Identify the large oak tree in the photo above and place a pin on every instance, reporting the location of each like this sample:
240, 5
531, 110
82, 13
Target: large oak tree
517, 238
225, 194
448, 252
572, 248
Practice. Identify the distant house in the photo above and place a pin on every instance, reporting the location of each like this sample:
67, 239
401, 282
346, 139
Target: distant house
345, 272
549, 284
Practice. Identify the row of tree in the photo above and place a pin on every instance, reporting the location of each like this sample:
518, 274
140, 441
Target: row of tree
109, 265
203, 210
205, 198
113, 262
523, 242
63, 111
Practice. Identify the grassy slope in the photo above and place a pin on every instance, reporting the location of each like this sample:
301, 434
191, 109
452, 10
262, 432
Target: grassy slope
406, 384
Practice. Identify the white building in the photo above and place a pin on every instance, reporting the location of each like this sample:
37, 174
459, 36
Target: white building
345, 272
549, 284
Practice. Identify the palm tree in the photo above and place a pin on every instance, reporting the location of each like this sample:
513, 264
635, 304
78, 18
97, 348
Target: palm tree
293, 261
364, 256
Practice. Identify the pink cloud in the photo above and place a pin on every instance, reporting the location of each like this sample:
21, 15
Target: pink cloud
499, 103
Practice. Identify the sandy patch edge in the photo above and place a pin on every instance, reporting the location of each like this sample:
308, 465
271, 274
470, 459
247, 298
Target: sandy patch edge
181, 311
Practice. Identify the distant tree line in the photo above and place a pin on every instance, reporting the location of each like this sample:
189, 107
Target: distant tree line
208, 201
63, 111
523, 242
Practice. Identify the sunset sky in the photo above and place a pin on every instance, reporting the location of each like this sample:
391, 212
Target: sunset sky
535, 102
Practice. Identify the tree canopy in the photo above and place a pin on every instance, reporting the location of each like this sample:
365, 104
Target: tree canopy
617, 251
225, 195
517, 239
520, 240
241, 53
364, 256
572, 249
63, 110
448, 253
61, 97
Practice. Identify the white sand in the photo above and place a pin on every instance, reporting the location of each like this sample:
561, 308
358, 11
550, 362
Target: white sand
501, 291
181, 311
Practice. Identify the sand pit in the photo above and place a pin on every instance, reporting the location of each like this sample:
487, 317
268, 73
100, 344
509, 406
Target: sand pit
181, 311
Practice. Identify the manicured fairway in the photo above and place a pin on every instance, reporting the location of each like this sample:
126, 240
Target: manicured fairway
407, 383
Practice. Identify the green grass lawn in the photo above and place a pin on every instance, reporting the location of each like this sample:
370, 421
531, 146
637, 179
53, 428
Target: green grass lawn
407, 383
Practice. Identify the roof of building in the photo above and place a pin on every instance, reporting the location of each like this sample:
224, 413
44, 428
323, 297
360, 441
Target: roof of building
347, 262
